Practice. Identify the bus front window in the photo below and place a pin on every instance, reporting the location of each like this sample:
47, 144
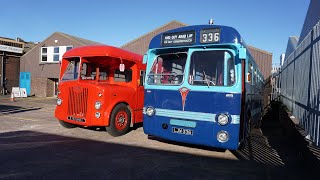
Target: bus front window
71, 73
88, 71
168, 69
212, 68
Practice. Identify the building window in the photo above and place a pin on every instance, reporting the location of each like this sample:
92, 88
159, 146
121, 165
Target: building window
56, 57
44, 50
44, 56
56, 50
68, 48
53, 54
56, 54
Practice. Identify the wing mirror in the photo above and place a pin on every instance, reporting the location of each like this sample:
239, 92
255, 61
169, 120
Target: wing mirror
121, 67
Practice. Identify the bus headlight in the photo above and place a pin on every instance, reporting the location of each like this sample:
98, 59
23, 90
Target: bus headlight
59, 101
223, 136
223, 119
97, 105
97, 115
150, 111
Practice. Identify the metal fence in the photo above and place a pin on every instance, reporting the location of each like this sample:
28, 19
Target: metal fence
300, 83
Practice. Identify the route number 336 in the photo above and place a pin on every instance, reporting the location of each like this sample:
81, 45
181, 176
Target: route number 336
210, 37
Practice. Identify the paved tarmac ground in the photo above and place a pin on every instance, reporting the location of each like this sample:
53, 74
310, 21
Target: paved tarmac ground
33, 145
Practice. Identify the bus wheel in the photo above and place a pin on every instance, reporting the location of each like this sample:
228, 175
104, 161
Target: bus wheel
120, 120
66, 125
245, 142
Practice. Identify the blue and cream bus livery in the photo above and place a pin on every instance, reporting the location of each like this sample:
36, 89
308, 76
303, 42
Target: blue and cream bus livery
201, 87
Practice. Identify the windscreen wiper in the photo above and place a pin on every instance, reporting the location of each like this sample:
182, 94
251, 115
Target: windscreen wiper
205, 76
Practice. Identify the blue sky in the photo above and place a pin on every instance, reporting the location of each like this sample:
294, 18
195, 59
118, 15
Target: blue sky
265, 24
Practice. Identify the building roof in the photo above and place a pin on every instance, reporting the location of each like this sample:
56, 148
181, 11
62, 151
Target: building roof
292, 45
260, 50
10, 40
81, 41
157, 29
312, 18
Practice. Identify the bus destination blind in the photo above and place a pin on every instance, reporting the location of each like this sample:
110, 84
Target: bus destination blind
178, 38
210, 35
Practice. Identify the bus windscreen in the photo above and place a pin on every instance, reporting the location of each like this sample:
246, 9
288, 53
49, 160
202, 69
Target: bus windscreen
71, 73
212, 68
168, 69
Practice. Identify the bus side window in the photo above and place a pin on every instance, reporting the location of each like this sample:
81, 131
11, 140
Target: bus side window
88, 71
255, 77
103, 74
142, 76
249, 76
125, 76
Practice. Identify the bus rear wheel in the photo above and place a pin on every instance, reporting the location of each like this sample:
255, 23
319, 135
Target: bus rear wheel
120, 120
66, 125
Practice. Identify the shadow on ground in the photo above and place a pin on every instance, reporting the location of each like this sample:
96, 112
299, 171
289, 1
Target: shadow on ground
8, 109
280, 144
276, 151
34, 155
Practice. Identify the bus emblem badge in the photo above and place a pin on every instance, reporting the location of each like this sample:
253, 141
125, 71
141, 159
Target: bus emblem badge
184, 92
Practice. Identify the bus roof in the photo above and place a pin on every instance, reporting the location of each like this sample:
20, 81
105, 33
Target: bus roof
227, 35
103, 50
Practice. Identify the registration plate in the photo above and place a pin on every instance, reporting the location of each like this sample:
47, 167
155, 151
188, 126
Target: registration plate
182, 131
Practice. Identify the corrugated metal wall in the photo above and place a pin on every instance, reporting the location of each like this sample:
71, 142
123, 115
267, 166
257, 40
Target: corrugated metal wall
300, 83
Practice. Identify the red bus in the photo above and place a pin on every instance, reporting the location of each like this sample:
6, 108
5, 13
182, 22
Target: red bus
100, 86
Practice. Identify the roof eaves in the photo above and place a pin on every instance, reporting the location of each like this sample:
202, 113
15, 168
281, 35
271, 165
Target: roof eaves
71, 38
40, 43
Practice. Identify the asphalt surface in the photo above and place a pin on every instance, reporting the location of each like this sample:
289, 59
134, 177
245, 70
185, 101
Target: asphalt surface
33, 145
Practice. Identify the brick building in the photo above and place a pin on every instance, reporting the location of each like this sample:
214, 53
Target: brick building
10, 52
42, 62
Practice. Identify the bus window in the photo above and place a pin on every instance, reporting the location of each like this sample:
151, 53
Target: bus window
230, 69
103, 74
255, 77
88, 71
71, 73
249, 77
207, 68
168, 69
125, 76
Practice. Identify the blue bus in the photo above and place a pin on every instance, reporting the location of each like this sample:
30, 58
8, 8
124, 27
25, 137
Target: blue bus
202, 87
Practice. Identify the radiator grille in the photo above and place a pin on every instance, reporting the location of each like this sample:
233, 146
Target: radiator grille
77, 102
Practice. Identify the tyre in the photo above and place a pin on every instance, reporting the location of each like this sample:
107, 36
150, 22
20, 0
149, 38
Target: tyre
120, 120
66, 125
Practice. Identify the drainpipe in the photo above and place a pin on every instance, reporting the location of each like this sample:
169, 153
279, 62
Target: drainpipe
2, 72
1, 79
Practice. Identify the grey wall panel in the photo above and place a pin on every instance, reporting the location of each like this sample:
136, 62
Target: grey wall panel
312, 17
314, 92
300, 83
